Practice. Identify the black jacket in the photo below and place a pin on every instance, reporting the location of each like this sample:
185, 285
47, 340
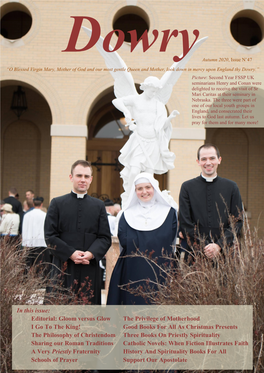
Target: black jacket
78, 224
204, 208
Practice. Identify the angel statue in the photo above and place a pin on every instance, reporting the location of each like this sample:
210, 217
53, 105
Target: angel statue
147, 149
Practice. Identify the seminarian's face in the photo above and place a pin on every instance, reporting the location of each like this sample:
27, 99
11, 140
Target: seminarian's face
81, 179
145, 192
208, 162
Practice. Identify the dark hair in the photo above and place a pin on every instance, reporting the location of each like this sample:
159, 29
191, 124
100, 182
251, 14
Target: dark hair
38, 201
108, 202
82, 163
206, 146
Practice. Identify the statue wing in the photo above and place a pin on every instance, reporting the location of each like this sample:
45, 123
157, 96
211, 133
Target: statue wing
123, 80
170, 77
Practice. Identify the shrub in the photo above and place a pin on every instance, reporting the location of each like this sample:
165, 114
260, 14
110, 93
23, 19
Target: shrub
234, 278
21, 286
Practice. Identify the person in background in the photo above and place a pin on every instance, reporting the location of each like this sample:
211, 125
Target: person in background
10, 223
117, 207
13, 201
33, 236
30, 195
25, 206
110, 210
28, 206
1, 211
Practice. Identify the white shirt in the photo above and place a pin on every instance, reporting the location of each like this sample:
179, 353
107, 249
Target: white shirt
112, 223
33, 229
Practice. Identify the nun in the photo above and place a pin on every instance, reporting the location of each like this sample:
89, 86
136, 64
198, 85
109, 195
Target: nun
147, 234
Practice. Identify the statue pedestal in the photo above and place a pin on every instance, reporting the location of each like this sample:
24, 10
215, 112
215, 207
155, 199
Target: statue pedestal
111, 259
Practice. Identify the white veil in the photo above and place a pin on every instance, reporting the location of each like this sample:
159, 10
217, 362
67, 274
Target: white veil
146, 216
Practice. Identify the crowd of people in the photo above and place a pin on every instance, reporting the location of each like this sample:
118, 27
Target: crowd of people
75, 233
23, 225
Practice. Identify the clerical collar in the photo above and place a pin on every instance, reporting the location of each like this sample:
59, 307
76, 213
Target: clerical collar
209, 179
79, 195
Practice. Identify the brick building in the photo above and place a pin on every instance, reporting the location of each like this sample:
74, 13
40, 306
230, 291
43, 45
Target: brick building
69, 113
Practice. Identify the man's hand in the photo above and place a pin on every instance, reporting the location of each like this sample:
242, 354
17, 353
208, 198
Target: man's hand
81, 257
77, 256
212, 250
87, 256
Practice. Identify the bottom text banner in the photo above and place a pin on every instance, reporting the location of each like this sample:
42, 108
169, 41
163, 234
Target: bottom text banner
132, 337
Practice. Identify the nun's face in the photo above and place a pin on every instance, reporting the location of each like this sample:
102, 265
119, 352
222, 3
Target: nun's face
145, 192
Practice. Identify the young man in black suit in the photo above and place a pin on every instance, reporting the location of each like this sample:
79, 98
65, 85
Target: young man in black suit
77, 227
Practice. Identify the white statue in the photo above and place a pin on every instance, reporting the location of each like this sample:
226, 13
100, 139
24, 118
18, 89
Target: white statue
147, 148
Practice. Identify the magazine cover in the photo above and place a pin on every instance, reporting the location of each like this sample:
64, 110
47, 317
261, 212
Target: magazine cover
132, 87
